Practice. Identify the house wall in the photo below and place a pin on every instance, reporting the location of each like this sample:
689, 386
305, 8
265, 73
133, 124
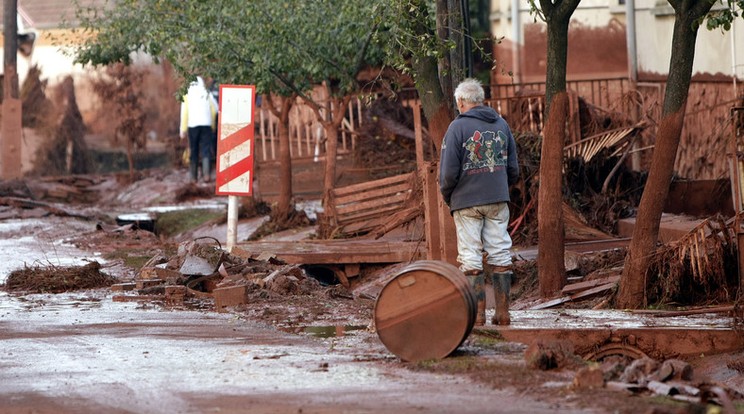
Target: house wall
717, 52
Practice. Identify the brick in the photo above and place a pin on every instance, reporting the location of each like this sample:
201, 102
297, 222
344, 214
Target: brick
123, 287
147, 273
239, 252
175, 295
230, 296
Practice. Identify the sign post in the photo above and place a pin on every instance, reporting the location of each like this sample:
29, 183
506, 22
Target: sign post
235, 150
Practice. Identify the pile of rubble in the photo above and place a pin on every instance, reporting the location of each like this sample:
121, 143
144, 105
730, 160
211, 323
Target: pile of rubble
672, 378
203, 270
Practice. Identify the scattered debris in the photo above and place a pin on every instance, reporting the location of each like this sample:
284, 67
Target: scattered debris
671, 378
698, 268
56, 279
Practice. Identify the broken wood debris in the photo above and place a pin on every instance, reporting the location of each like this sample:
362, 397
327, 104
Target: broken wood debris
28, 204
588, 147
696, 260
580, 286
580, 291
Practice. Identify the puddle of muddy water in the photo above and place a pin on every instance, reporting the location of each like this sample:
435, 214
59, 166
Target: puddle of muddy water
328, 331
118, 352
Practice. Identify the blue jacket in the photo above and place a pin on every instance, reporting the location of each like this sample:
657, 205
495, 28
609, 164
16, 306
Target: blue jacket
479, 160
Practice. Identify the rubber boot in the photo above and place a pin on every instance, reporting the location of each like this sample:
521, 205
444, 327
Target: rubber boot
501, 286
477, 281
194, 171
205, 170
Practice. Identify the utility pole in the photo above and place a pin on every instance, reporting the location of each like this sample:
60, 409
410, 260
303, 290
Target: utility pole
10, 132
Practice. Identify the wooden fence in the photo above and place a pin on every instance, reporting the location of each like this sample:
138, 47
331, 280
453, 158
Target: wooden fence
705, 140
706, 135
306, 134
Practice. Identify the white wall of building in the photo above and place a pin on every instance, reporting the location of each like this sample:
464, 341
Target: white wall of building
716, 52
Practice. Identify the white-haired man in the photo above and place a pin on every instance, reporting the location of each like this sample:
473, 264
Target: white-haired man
477, 166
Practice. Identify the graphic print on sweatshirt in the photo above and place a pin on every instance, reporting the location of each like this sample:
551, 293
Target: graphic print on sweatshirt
485, 151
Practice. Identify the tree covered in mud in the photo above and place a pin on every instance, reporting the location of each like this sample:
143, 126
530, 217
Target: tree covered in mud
688, 17
551, 268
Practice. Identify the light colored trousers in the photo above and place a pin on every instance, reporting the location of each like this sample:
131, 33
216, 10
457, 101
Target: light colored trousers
479, 229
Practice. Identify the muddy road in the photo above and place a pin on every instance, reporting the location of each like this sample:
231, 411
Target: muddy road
90, 352
84, 353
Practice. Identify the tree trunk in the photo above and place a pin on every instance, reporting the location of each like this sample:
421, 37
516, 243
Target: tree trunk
281, 109
437, 107
556, 58
12, 128
632, 292
551, 249
456, 25
130, 158
443, 66
332, 127
551, 269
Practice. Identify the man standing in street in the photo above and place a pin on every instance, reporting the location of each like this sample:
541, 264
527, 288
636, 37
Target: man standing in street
198, 111
477, 166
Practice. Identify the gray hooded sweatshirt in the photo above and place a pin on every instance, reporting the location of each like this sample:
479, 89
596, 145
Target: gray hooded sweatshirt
479, 160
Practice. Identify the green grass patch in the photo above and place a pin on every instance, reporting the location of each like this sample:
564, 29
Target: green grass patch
486, 341
176, 222
134, 259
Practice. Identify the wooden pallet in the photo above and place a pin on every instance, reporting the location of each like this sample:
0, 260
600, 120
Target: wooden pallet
363, 207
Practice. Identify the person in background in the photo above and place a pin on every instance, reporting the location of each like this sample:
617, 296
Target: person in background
198, 114
477, 166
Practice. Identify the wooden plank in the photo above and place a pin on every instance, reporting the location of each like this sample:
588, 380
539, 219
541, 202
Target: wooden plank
432, 231
581, 295
379, 226
366, 215
397, 219
579, 286
355, 188
418, 137
362, 226
333, 251
357, 197
348, 209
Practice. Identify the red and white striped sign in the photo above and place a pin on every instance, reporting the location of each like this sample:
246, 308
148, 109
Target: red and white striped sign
235, 140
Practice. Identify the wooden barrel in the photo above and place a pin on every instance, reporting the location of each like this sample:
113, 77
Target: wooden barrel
425, 311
